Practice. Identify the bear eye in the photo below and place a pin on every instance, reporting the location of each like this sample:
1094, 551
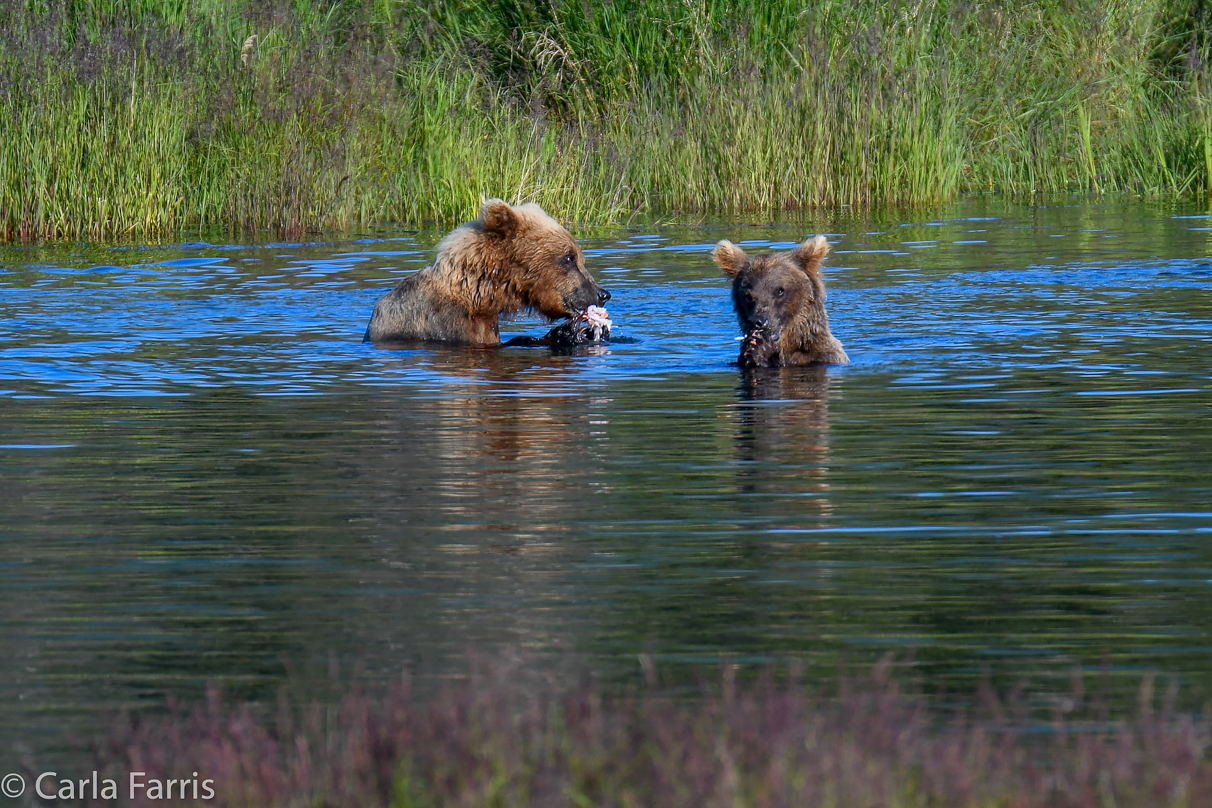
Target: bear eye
569, 260
780, 292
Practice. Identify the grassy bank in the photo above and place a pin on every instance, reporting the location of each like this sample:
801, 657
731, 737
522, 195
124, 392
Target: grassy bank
134, 119
505, 738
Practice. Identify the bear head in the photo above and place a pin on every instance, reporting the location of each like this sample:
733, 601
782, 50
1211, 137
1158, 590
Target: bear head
780, 304
514, 258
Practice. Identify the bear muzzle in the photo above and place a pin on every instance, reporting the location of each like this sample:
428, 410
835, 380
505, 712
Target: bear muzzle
757, 321
588, 295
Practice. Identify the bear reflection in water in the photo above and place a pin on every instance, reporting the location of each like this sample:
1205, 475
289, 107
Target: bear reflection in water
496, 441
782, 436
505, 445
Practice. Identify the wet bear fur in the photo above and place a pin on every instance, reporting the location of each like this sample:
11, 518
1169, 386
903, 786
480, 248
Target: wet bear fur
509, 260
780, 304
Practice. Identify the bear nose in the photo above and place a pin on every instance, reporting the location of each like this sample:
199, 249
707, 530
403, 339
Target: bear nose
603, 296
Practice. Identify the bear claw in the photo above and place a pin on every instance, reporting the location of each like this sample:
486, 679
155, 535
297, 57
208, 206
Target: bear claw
590, 327
759, 348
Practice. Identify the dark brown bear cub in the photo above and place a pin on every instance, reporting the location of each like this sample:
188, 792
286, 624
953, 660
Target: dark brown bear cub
509, 260
780, 303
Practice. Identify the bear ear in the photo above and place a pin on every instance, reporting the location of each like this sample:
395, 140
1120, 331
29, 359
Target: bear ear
729, 257
809, 254
497, 216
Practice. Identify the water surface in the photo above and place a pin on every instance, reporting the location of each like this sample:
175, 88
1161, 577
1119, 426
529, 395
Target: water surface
206, 476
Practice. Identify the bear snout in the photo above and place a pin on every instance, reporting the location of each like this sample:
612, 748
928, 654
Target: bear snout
757, 321
589, 294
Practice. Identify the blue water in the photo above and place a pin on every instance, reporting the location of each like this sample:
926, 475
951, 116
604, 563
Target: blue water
206, 476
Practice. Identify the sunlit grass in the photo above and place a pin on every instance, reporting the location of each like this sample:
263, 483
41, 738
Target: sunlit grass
134, 119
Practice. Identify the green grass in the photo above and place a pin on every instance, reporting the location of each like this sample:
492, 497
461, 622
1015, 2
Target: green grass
136, 119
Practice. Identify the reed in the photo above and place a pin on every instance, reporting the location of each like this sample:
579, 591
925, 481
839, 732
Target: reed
505, 737
138, 119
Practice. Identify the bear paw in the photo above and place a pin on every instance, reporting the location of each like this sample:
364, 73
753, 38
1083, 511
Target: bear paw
759, 349
588, 328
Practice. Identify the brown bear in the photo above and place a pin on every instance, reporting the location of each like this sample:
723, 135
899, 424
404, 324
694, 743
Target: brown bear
780, 303
509, 260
